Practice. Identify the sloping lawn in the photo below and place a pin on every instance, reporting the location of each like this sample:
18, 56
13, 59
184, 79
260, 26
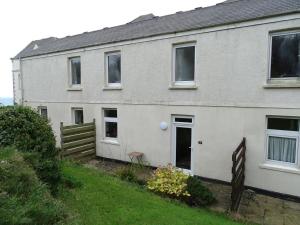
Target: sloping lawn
104, 199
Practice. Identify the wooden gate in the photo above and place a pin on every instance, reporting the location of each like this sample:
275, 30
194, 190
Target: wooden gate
238, 174
78, 142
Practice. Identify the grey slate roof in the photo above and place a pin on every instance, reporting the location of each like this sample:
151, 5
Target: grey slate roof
224, 13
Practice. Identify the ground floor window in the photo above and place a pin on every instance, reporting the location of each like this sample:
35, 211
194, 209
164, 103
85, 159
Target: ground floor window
77, 115
110, 123
283, 140
43, 111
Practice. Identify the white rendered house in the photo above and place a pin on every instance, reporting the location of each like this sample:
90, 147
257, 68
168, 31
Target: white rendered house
182, 88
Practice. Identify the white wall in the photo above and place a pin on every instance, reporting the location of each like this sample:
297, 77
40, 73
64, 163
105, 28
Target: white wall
230, 102
17, 81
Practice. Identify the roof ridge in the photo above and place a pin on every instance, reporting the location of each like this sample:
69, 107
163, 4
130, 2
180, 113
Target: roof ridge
154, 18
197, 18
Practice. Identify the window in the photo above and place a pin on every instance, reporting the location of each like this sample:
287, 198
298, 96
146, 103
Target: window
184, 60
283, 140
43, 111
183, 120
285, 56
77, 115
111, 123
113, 69
75, 69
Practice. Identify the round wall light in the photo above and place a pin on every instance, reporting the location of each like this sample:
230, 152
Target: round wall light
163, 125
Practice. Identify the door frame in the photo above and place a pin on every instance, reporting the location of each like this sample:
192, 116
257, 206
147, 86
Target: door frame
173, 140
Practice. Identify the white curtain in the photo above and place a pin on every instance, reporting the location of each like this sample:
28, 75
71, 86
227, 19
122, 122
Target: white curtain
282, 149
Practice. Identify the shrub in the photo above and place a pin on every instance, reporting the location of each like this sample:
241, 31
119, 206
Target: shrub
200, 195
23, 198
29, 132
169, 181
127, 173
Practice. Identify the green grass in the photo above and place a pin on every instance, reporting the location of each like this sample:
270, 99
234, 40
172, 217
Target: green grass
104, 199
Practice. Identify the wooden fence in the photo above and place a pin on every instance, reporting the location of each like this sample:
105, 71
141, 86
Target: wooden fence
78, 142
238, 175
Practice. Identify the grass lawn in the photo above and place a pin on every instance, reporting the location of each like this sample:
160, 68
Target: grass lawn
104, 199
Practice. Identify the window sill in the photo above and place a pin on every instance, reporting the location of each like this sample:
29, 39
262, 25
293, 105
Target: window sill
112, 142
74, 89
108, 88
183, 87
281, 168
282, 83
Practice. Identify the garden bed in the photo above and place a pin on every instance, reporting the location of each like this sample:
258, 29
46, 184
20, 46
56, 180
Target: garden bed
221, 192
105, 199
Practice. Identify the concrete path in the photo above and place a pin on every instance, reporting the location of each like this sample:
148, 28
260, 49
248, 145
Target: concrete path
267, 210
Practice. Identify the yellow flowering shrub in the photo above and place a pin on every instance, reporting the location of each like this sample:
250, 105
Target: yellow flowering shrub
170, 181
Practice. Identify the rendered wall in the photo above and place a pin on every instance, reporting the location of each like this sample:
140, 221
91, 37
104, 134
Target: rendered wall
229, 103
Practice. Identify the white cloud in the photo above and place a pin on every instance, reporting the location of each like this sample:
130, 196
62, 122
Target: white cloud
23, 21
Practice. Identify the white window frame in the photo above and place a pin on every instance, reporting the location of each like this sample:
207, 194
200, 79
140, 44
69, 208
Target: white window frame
275, 34
182, 83
182, 117
112, 120
283, 134
40, 110
73, 109
70, 72
107, 54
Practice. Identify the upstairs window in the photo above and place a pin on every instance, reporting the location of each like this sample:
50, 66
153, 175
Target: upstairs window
43, 111
285, 57
113, 69
283, 140
111, 123
75, 69
184, 60
77, 115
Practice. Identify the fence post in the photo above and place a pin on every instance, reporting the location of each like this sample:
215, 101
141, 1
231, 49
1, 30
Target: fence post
238, 174
61, 140
94, 121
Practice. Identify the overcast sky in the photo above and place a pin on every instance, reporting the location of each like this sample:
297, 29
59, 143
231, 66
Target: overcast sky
22, 21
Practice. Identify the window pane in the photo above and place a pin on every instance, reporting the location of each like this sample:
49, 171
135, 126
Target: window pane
282, 149
114, 69
76, 70
185, 64
283, 124
110, 113
44, 113
183, 120
78, 116
111, 129
285, 56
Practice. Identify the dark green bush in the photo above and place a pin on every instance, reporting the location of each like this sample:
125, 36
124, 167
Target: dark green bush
29, 132
23, 198
127, 173
200, 195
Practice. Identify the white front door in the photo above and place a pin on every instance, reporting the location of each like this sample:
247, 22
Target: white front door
182, 142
